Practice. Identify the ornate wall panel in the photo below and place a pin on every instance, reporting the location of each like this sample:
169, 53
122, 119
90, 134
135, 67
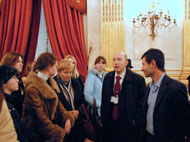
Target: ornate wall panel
187, 9
186, 48
112, 29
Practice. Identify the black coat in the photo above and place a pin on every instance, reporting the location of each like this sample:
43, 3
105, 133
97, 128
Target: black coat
171, 111
77, 133
130, 113
16, 117
19, 96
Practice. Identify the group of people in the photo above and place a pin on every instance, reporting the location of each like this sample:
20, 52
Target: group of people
133, 112
48, 104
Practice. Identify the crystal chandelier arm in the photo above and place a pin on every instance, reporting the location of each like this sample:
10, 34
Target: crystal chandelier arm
154, 20
145, 23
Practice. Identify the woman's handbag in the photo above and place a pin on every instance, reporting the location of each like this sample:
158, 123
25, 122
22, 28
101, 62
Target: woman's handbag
95, 118
87, 124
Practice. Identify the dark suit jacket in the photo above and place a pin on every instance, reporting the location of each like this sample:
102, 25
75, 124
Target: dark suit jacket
171, 111
130, 113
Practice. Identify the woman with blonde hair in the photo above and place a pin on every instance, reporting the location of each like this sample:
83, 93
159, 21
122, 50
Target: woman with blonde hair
74, 63
76, 74
15, 60
44, 116
72, 98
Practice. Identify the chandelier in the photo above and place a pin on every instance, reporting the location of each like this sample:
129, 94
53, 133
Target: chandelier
154, 20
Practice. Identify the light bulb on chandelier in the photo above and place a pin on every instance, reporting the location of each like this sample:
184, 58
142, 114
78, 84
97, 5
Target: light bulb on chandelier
154, 20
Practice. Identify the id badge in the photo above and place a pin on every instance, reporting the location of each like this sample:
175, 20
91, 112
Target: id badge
114, 99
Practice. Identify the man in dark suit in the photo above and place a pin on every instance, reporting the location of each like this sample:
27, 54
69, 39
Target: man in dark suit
122, 103
166, 104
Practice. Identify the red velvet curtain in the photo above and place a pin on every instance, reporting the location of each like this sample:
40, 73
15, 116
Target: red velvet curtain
65, 30
19, 26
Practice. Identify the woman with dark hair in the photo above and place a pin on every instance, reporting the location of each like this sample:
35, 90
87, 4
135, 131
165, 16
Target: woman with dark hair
15, 60
44, 116
8, 84
93, 92
72, 98
7, 130
94, 82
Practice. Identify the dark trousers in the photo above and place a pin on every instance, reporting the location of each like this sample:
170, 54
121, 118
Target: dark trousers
112, 132
115, 131
149, 137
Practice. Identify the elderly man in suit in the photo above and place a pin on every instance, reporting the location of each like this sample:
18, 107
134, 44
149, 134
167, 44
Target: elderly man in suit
122, 103
166, 103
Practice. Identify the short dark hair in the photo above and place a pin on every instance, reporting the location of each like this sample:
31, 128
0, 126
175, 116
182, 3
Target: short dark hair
157, 55
44, 60
6, 73
98, 59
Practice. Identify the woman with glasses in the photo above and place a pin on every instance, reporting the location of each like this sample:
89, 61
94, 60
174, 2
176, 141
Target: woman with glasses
9, 84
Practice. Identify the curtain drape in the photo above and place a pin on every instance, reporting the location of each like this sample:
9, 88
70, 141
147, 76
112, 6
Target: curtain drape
19, 26
65, 31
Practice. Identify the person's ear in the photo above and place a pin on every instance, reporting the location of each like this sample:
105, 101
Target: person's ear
3, 86
126, 62
153, 63
48, 68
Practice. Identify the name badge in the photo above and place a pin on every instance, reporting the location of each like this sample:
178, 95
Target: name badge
114, 99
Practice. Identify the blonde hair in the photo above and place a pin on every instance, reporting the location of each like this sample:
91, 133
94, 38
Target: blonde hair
63, 64
75, 71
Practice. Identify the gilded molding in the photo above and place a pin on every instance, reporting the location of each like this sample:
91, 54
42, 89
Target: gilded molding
186, 48
186, 52
187, 9
112, 29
